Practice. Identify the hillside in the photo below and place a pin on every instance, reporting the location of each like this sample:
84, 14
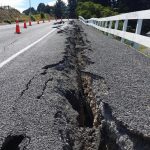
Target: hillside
8, 14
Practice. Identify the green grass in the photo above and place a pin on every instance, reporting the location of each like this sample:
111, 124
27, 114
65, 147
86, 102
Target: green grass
144, 50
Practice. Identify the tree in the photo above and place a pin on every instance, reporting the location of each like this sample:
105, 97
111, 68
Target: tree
93, 10
104, 2
42, 15
27, 11
60, 9
72, 4
41, 7
47, 9
132, 5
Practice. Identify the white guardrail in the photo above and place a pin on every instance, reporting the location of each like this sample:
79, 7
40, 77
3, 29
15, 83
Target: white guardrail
105, 24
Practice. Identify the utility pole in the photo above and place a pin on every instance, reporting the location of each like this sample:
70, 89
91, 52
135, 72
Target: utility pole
30, 13
30, 8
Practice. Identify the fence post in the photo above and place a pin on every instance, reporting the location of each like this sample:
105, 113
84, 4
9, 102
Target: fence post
138, 31
106, 24
116, 24
103, 24
125, 24
110, 26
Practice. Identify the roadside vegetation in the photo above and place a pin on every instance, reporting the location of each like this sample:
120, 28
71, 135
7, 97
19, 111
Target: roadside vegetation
8, 15
93, 10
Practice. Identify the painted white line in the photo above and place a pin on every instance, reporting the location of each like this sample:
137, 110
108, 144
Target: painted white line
23, 50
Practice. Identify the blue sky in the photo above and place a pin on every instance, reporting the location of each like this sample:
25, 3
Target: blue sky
24, 4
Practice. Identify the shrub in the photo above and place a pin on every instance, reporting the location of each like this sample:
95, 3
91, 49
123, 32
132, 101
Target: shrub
42, 16
93, 10
33, 18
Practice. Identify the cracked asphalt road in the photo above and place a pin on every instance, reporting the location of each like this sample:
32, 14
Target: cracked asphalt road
28, 102
43, 100
127, 75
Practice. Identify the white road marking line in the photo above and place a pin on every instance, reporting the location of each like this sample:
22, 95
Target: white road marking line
23, 50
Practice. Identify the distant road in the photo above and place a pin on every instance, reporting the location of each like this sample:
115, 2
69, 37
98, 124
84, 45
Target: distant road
11, 43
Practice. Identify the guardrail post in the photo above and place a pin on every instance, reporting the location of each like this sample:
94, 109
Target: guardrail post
110, 26
125, 24
106, 24
103, 24
96, 22
138, 31
116, 24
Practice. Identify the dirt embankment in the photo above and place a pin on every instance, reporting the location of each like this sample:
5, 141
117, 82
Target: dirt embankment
8, 15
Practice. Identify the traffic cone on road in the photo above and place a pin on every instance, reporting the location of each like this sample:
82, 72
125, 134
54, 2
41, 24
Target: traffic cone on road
30, 24
25, 25
17, 27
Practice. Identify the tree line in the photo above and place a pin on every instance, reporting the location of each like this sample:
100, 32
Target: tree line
123, 6
59, 10
103, 8
90, 8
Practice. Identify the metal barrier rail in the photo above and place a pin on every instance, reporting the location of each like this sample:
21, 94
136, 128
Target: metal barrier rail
105, 24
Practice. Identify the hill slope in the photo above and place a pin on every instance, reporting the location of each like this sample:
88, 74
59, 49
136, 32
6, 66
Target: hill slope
8, 14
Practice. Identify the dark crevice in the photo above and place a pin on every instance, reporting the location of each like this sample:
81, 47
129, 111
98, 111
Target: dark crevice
74, 62
13, 142
107, 141
85, 118
27, 87
57, 65
44, 88
65, 137
110, 137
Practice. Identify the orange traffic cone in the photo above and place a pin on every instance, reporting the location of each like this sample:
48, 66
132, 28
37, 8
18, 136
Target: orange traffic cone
17, 27
30, 24
25, 25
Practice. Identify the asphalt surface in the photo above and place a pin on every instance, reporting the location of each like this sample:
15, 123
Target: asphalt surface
125, 74
29, 106
11, 43
40, 94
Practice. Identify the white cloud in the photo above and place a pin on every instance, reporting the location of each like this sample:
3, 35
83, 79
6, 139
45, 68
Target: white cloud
66, 1
18, 4
52, 3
